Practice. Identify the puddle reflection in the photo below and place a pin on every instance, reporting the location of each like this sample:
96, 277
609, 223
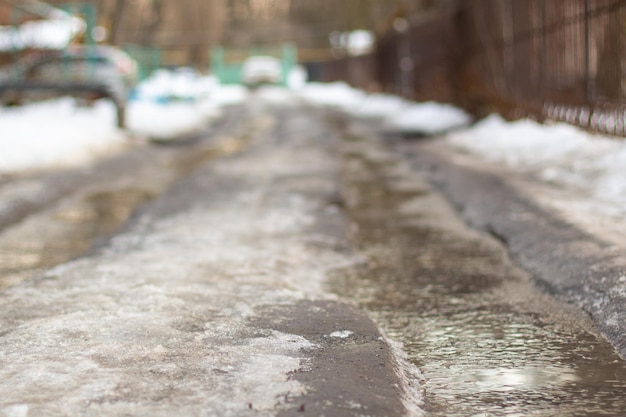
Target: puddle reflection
478, 332
64, 233
491, 358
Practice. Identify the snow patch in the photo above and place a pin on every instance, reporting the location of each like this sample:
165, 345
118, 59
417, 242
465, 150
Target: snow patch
341, 334
56, 133
338, 95
163, 121
429, 118
558, 153
380, 106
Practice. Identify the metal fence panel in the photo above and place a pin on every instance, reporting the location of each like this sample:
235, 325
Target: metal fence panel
561, 59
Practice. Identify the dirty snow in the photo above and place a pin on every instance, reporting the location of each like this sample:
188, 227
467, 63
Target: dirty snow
586, 172
60, 133
171, 104
159, 323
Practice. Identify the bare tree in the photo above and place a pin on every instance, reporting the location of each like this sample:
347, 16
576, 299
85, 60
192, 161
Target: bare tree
119, 12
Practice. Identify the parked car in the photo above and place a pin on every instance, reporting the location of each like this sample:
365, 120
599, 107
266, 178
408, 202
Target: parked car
89, 72
258, 70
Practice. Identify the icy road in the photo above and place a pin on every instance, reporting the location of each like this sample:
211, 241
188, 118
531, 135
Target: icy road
289, 262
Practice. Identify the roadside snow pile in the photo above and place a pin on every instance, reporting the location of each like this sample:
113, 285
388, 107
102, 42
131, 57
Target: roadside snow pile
337, 95
380, 106
523, 142
559, 153
398, 114
356, 102
174, 103
59, 133
428, 118
182, 85
55, 133
166, 121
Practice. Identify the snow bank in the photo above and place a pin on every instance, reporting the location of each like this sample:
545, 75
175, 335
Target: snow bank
169, 107
380, 106
356, 102
559, 153
229, 95
56, 133
398, 114
174, 103
166, 121
338, 95
429, 118
59, 133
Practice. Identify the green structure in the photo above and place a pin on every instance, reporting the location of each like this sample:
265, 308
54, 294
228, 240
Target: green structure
148, 58
226, 63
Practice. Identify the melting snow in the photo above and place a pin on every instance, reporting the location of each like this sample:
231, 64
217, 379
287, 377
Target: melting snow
341, 334
56, 133
428, 118
159, 323
559, 154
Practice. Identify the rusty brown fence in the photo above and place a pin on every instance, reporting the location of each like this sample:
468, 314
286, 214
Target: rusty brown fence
556, 59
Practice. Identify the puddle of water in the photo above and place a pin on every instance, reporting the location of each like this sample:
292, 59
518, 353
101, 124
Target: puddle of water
62, 234
487, 342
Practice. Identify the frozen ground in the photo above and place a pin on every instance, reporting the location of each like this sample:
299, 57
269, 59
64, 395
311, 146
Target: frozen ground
565, 158
177, 314
126, 331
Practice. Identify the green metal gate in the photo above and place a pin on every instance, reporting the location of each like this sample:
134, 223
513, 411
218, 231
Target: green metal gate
226, 63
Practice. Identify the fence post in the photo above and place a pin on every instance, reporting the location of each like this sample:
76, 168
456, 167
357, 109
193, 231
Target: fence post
588, 78
508, 52
543, 53
405, 59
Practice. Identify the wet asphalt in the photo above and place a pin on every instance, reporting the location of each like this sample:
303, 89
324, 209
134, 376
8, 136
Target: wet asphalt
414, 286
585, 270
490, 337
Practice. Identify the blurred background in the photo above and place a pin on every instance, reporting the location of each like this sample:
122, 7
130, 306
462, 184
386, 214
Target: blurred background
553, 59
182, 32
